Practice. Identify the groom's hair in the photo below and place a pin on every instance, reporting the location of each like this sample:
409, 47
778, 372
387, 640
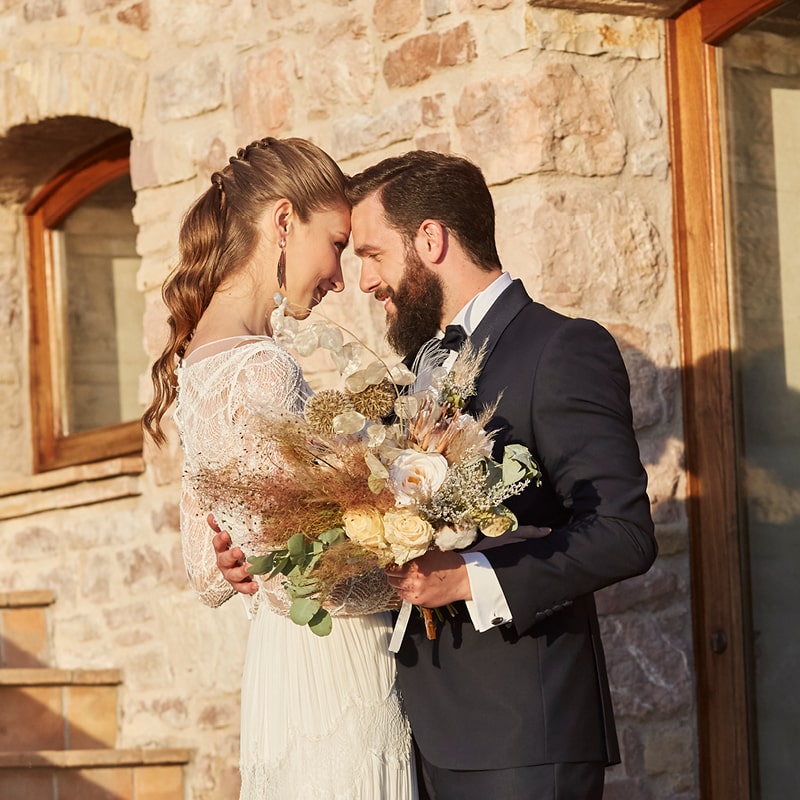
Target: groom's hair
424, 185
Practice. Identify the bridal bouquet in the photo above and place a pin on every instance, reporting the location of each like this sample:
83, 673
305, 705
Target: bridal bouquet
354, 492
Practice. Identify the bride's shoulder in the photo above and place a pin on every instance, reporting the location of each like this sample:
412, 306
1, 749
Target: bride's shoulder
264, 352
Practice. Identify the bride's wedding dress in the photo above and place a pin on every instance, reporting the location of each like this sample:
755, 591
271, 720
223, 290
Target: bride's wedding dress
321, 718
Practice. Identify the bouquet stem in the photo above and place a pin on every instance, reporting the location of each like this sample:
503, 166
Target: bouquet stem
430, 625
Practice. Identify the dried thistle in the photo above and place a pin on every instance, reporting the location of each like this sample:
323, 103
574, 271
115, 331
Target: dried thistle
376, 401
324, 406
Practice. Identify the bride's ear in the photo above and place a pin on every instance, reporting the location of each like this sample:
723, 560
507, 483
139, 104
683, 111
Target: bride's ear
282, 215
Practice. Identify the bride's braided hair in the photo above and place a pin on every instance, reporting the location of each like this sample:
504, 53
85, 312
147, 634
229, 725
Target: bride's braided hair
220, 233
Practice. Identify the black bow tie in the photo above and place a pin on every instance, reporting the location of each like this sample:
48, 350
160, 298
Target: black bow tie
454, 337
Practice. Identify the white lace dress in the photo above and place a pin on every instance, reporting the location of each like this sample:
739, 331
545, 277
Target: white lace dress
321, 717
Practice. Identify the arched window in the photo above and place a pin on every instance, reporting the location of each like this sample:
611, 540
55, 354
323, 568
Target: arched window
86, 351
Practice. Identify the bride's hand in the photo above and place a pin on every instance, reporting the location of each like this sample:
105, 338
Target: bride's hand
230, 561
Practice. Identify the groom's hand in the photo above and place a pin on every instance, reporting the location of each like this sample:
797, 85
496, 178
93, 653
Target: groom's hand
230, 561
433, 580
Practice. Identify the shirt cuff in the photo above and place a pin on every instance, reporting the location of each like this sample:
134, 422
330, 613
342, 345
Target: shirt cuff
488, 607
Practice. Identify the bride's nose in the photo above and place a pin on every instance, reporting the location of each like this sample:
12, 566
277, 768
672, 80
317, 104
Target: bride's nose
336, 281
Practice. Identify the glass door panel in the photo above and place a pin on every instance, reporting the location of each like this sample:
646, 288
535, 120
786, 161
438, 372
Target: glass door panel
761, 98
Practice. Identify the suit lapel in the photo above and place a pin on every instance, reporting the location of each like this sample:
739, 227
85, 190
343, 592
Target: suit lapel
498, 317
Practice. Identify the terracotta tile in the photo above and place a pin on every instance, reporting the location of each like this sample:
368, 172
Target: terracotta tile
92, 715
19, 784
159, 782
103, 783
31, 718
24, 634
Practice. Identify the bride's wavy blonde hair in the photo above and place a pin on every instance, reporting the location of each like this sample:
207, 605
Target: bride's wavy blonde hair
219, 235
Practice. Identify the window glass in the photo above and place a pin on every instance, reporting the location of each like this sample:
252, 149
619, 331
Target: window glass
100, 336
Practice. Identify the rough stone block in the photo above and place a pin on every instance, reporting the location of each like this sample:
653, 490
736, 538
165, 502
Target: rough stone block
506, 32
191, 87
101, 37
393, 19
137, 15
43, 10
262, 98
417, 58
594, 34
668, 750
341, 69
555, 119
360, 133
648, 666
438, 142
135, 45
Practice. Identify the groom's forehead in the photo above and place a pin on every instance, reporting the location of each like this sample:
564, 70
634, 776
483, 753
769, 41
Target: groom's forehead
369, 226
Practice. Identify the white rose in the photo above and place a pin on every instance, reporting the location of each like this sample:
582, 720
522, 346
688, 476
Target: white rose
415, 476
448, 538
407, 534
364, 526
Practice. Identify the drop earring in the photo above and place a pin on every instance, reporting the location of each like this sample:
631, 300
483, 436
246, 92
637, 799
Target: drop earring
282, 264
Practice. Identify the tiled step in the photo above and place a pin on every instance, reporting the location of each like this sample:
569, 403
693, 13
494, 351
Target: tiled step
135, 774
24, 640
56, 709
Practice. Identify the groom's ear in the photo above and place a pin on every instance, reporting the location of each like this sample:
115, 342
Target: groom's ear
432, 241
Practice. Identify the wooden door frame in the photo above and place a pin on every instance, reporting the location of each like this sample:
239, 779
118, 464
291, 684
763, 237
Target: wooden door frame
720, 605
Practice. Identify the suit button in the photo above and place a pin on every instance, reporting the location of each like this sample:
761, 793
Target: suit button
497, 621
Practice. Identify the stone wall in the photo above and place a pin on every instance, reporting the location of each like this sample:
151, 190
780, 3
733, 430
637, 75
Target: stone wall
565, 113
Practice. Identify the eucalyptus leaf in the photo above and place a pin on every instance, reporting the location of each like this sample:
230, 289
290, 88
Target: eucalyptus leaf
321, 623
303, 590
303, 609
518, 464
281, 565
331, 536
296, 547
260, 564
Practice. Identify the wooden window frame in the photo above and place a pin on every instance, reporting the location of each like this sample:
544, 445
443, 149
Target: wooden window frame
720, 605
52, 447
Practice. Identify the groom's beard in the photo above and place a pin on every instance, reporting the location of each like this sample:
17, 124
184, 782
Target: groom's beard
419, 299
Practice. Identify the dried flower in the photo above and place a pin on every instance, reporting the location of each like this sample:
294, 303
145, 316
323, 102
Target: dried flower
323, 407
376, 400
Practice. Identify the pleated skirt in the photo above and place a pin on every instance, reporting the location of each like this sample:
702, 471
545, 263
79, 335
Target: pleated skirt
321, 716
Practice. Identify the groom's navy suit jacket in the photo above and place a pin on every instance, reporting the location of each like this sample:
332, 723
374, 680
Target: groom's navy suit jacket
535, 691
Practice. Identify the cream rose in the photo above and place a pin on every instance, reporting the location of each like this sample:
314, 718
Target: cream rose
364, 526
415, 476
407, 534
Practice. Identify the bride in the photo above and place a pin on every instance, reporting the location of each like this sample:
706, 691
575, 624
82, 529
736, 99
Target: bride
321, 717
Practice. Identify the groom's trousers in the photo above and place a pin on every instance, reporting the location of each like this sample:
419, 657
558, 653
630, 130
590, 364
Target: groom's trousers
539, 782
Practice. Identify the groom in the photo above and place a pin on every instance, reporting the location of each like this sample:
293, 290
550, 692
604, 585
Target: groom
511, 700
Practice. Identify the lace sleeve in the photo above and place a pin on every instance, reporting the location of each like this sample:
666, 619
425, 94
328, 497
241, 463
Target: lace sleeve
198, 552
268, 381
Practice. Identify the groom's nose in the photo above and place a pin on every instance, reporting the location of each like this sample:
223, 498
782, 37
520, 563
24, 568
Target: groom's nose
369, 280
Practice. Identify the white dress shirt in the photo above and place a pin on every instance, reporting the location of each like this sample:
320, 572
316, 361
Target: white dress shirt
488, 607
